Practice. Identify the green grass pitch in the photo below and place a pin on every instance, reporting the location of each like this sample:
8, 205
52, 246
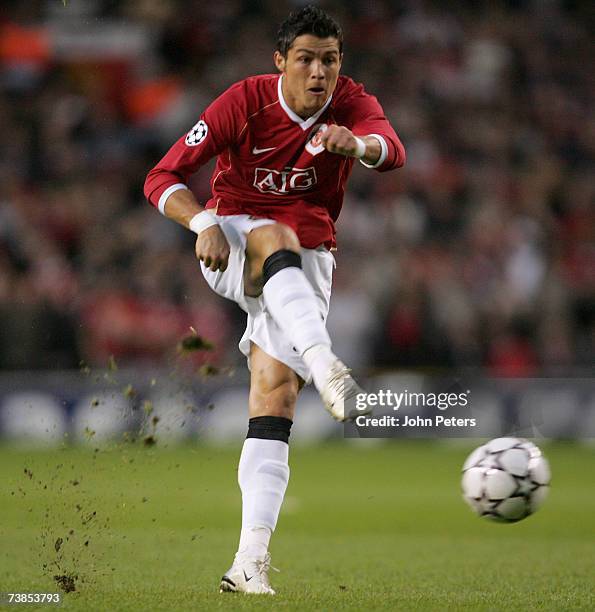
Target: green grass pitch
364, 527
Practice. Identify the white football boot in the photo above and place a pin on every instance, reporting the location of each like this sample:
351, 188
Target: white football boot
340, 392
248, 575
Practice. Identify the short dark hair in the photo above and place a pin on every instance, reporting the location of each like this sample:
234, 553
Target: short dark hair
309, 20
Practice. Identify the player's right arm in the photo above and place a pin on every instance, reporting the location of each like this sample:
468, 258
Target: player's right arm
211, 245
166, 184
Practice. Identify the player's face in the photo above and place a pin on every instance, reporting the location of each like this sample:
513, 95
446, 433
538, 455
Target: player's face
310, 70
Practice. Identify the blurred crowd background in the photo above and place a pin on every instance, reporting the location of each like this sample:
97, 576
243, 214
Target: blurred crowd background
480, 252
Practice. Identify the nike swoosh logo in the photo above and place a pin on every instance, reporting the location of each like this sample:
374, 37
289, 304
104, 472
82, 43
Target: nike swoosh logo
257, 151
246, 577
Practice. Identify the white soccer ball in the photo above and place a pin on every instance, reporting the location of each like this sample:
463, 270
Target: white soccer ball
506, 479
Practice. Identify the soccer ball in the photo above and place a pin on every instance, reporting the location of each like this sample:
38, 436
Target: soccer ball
506, 479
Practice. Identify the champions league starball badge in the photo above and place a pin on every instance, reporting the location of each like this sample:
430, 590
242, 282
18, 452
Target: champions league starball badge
197, 134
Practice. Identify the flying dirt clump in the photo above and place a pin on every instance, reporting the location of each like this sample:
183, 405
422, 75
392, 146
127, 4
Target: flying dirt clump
194, 342
67, 582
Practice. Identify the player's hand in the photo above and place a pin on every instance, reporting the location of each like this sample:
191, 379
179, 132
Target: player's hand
212, 248
338, 139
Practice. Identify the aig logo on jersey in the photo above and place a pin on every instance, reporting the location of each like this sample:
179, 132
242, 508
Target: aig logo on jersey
197, 134
285, 181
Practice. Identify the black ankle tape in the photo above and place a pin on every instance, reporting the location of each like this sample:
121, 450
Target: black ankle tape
269, 428
279, 260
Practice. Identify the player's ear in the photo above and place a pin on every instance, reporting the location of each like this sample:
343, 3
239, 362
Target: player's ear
279, 60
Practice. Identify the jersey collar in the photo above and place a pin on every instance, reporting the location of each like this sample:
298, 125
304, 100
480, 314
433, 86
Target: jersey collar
304, 124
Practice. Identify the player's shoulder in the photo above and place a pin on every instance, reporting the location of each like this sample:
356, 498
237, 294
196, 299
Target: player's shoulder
255, 91
351, 101
346, 89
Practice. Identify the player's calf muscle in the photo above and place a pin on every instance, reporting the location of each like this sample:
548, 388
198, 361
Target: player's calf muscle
273, 386
276, 402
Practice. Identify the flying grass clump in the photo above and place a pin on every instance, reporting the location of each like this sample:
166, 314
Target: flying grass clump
129, 392
193, 342
208, 369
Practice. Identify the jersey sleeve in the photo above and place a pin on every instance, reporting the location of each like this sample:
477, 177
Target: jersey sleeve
366, 117
217, 129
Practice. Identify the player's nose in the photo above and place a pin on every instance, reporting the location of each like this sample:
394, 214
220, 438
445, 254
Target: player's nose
316, 69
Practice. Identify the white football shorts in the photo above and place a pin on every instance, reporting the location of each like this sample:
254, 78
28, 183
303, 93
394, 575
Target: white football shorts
317, 264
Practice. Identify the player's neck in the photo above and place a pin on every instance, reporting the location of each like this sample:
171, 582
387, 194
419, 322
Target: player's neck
292, 104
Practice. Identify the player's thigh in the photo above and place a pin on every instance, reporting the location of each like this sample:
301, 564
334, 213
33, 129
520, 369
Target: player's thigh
274, 386
231, 283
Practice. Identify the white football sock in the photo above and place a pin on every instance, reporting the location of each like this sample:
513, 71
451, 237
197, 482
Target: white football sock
263, 474
319, 359
254, 541
292, 303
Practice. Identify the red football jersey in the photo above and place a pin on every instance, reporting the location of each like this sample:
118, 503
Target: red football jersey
270, 161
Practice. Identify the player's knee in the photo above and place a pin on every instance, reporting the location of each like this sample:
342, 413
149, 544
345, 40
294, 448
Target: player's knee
277, 236
270, 248
267, 239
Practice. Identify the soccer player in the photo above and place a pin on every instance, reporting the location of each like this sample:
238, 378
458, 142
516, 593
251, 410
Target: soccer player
285, 146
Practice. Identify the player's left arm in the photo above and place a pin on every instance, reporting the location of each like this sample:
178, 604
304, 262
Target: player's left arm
370, 137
